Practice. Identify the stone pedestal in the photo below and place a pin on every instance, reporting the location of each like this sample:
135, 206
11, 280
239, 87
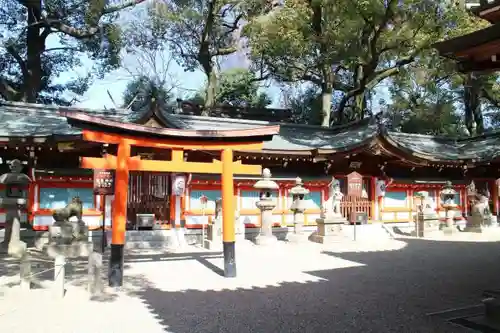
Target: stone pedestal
298, 193
266, 205
214, 235
12, 243
62, 241
329, 229
474, 224
493, 221
298, 235
266, 236
427, 225
479, 218
450, 228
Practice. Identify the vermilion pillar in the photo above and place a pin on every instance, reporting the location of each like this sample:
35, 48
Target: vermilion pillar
228, 236
119, 217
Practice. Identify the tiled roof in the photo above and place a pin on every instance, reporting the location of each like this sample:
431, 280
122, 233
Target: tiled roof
31, 120
485, 147
294, 137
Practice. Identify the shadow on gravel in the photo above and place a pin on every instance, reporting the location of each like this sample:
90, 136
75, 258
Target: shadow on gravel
393, 292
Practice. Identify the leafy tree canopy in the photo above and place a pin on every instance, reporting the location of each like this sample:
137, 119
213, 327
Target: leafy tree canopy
41, 40
237, 87
350, 46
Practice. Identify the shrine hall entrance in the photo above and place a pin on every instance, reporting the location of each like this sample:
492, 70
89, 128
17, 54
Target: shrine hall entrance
148, 193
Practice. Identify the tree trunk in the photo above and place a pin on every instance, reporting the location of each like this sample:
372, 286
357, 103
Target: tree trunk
360, 106
326, 104
210, 92
473, 115
35, 47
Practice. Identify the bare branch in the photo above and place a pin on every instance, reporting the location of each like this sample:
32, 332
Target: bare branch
87, 32
22, 64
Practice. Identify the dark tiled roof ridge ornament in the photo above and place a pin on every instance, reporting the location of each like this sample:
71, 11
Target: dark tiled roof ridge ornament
448, 185
15, 166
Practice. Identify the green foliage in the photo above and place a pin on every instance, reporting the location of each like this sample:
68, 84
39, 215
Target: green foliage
31, 66
421, 101
350, 46
142, 92
196, 30
200, 33
237, 87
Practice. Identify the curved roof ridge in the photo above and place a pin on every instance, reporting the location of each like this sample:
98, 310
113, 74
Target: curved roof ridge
351, 124
81, 120
418, 135
456, 139
54, 109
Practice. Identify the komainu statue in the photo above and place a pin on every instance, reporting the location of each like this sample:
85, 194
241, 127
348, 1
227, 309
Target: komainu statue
62, 218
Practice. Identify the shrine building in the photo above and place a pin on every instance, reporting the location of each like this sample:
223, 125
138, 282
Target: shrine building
390, 166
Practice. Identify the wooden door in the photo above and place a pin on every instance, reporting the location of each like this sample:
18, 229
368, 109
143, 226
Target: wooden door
149, 193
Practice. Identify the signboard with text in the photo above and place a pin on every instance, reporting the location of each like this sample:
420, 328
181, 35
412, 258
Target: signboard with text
354, 184
104, 182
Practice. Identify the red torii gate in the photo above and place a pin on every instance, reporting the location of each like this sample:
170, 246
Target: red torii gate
126, 135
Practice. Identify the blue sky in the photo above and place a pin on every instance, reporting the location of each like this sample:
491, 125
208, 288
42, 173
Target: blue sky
115, 82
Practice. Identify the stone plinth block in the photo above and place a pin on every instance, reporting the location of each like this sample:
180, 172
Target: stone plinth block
427, 226
62, 234
266, 240
475, 229
240, 231
214, 232
17, 249
297, 238
328, 230
450, 230
214, 237
211, 245
493, 222
73, 250
475, 222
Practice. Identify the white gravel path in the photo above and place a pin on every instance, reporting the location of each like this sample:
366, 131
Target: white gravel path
385, 286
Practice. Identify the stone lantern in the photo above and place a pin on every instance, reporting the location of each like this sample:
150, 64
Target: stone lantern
448, 203
266, 204
298, 193
16, 193
214, 234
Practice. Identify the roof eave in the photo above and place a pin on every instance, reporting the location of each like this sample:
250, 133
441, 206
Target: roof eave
84, 121
448, 48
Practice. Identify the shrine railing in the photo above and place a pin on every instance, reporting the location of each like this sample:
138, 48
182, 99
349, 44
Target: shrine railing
351, 204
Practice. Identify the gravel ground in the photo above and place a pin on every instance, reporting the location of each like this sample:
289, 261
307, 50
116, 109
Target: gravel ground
385, 286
